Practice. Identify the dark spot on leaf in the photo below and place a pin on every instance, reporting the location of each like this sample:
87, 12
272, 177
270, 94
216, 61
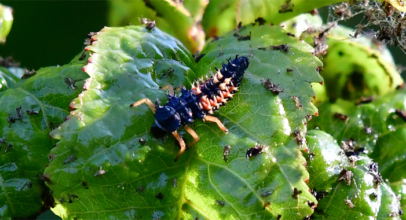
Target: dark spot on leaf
275, 89
8, 62
83, 56
311, 204
254, 151
296, 192
373, 196
221, 203
289, 70
159, 196
340, 53
261, 48
140, 189
278, 217
9, 147
319, 195
282, 47
169, 73
84, 184
401, 86
226, 151
32, 112
290, 34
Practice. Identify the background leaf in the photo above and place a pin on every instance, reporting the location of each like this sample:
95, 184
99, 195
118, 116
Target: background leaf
25, 144
6, 21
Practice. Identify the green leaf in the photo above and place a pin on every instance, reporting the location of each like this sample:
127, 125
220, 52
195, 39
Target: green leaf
171, 17
115, 175
219, 17
7, 79
6, 20
25, 143
352, 196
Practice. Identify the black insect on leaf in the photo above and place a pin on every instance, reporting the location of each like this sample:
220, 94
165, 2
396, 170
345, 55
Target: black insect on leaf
289, 70
341, 117
242, 38
262, 48
269, 85
142, 141
296, 192
197, 56
19, 113
84, 184
290, 34
27, 74
71, 82
254, 151
221, 203
266, 204
11, 119
149, 24
169, 73
299, 138
311, 204
318, 194
32, 112
9, 147
282, 47
226, 151
260, 21
278, 217
265, 194
365, 100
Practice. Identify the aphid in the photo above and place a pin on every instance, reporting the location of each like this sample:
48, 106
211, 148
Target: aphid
401, 114
11, 119
266, 204
346, 175
296, 192
349, 203
221, 203
19, 113
311, 156
8, 148
311, 204
70, 159
342, 117
28, 74
289, 70
70, 82
260, 21
32, 112
275, 89
83, 56
220, 51
353, 159
297, 102
89, 40
299, 137
373, 196
197, 103
314, 12
254, 151
278, 217
350, 149
290, 34
373, 170
265, 194
8, 62
71, 197
142, 141
159, 196
342, 10
243, 38
318, 195
287, 7
366, 100
100, 172
140, 189
261, 48
368, 130
227, 149
197, 56
175, 183
400, 211
168, 73
149, 24
282, 47
357, 31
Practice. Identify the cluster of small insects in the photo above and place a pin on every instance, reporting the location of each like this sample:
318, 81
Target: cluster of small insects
389, 21
197, 103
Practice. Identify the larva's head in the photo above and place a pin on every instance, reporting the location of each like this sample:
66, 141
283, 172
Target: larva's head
166, 120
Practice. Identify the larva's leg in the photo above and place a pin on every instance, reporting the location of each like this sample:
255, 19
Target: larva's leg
217, 121
181, 143
193, 134
146, 101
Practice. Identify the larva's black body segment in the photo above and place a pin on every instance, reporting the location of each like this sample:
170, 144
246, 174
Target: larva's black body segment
197, 103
